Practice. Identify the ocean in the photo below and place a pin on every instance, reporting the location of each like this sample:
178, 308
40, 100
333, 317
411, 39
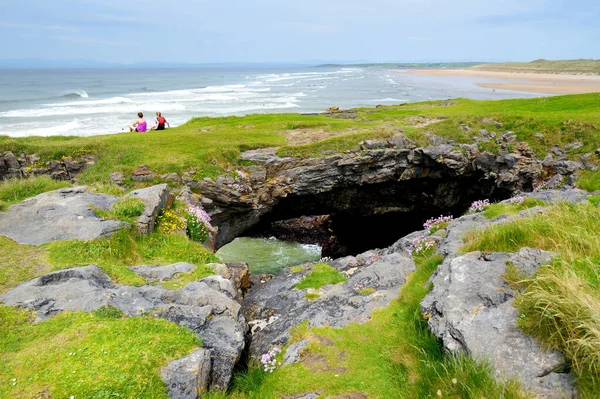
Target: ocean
89, 102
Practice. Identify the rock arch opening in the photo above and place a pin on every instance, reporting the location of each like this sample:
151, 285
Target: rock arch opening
351, 220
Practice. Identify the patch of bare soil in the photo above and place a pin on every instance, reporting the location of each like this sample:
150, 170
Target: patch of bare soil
422, 121
307, 136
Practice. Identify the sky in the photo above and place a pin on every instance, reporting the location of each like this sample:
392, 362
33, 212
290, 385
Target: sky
299, 31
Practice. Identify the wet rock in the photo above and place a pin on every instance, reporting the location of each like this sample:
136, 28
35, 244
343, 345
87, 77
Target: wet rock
470, 308
155, 198
188, 377
207, 307
59, 215
162, 273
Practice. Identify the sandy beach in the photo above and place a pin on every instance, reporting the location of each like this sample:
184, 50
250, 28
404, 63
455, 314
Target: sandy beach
528, 82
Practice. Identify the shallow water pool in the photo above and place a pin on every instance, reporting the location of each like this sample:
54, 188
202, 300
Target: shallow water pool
268, 255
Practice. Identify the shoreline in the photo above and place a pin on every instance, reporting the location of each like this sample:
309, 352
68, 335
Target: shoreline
531, 82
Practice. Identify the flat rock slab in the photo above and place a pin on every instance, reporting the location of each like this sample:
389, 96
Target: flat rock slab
206, 307
59, 215
162, 273
155, 198
276, 306
471, 309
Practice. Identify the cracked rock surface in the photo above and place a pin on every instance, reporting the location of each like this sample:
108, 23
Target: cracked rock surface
63, 214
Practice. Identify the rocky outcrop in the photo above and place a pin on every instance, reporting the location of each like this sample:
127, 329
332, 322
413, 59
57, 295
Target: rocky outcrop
275, 307
471, 308
207, 307
386, 176
59, 215
155, 198
66, 168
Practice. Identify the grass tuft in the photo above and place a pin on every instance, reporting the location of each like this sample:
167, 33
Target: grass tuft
494, 210
322, 274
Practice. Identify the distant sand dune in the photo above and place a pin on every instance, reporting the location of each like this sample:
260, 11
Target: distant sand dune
529, 82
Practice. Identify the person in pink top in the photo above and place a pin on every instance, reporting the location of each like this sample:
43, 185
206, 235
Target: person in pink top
140, 125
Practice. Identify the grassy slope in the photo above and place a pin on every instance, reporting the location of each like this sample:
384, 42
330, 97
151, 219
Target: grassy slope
83, 355
585, 66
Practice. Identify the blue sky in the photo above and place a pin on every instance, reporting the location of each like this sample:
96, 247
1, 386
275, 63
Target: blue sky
128, 31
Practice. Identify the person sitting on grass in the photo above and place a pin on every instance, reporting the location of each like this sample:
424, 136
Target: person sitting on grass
160, 122
140, 125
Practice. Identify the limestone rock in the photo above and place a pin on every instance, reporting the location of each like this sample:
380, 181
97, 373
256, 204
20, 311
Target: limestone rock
59, 215
292, 353
207, 307
162, 273
275, 307
188, 377
470, 308
155, 199
237, 272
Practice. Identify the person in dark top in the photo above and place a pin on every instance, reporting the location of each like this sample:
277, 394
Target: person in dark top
160, 122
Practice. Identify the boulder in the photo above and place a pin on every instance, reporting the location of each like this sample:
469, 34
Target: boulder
155, 198
59, 215
188, 377
470, 308
207, 307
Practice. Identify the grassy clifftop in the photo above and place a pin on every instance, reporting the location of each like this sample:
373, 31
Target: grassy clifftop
209, 146
581, 66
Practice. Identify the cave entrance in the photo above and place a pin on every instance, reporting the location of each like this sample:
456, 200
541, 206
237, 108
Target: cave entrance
351, 220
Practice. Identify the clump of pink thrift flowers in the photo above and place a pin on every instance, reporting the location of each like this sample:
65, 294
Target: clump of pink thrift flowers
516, 200
477, 206
268, 360
430, 223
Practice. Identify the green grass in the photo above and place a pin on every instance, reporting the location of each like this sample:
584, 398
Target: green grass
494, 210
87, 355
322, 274
124, 249
126, 209
589, 180
16, 190
581, 66
560, 303
183, 279
19, 263
391, 356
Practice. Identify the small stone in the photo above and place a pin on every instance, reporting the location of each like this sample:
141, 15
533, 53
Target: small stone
117, 178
